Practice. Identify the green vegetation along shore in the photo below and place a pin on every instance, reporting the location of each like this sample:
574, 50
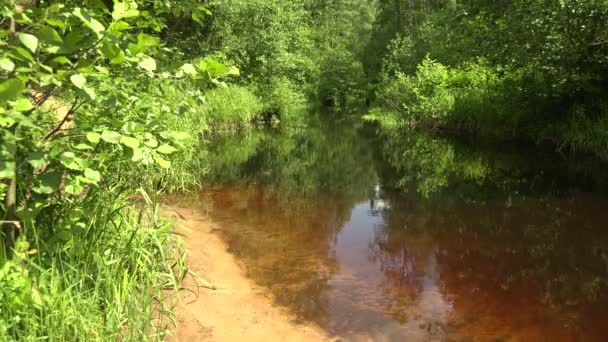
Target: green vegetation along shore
105, 104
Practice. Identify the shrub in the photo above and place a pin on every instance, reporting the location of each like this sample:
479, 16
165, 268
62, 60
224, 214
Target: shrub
231, 108
418, 99
282, 100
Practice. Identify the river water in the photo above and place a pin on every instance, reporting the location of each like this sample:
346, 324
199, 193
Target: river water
406, 237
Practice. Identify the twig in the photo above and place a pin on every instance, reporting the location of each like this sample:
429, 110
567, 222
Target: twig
72, 109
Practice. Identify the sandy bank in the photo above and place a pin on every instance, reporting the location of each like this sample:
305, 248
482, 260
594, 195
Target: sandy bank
238, 310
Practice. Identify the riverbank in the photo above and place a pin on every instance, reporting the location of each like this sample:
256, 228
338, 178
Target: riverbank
237, 308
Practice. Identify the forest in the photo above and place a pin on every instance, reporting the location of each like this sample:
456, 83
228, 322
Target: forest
106, 106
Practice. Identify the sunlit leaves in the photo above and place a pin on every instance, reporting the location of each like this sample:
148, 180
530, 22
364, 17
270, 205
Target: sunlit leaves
92, 175
189, 69
61, 60
22, 105
165, 164
29, 41
93, 137
166, 149
71, 161
148, 64
123, 10
73, 186
130, 142
144, 42
6, 64
7, 169
89, 21
83, 147
111, 137
136, 154
113, 52
78, 80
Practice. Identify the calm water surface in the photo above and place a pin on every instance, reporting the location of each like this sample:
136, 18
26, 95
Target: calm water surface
416, 238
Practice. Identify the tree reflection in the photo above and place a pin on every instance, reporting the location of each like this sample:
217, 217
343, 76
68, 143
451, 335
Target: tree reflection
482, 262
286, 196
456, 242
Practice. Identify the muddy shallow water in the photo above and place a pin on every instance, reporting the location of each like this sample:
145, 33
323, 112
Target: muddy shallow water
435, 242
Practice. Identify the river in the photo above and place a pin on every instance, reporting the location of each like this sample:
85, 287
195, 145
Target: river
411, 237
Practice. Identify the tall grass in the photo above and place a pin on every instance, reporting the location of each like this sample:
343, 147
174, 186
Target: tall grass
97, 276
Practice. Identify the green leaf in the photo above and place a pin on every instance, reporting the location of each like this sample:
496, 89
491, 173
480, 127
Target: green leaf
110, 50
61, 60
73, 186
69, 160
137, 154
48, 183
23, 54
129, 127
93, 137
165, 164
22, 105
151, 143
92, 175
78, 80
181, 136
37, 159
7, 169
189, 69
10, 89
6, 122
6, 64
130, 142
111, 137
49, 35
119, 9
119, 26
144, 42
148, 63
233, 71
89, 22
29, 41
83, 147
166, 149
90, 92
122, 11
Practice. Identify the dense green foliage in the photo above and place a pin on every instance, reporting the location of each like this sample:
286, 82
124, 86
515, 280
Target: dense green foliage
105, 102
94, 109
511, 70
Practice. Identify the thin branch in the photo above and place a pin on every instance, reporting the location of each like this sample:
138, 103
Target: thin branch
75, 106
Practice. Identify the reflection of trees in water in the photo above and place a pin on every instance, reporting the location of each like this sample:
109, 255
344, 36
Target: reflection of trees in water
497, 256
304, 184
326, 156
483, 241
427, 165
286, 246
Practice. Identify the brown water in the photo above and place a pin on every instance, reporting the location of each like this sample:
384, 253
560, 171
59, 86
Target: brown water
510, 249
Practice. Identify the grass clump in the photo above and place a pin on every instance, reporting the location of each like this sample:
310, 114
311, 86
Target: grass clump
92, 270
231, 108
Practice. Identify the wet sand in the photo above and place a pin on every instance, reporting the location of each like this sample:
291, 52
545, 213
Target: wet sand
237, 310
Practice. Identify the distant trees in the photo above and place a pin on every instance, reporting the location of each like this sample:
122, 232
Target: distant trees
527, 69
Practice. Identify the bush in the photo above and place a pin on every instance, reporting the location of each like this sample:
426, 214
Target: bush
95, 271
282, 100
424, 98
231, 108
